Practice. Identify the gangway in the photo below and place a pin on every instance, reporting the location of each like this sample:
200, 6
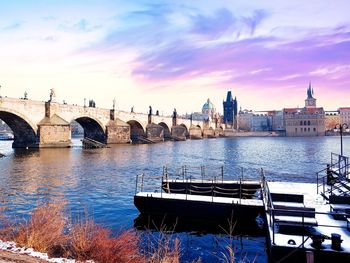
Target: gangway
89, 143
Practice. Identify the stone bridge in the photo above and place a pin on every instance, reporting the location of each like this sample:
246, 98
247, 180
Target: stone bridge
47, 124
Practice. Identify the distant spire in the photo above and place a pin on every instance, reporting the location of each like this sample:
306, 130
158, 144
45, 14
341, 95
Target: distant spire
310, 91
229, 96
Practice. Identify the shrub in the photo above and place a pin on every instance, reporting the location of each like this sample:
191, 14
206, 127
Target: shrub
44, 231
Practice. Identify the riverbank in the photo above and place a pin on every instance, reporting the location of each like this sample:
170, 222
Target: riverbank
7, 257
256, 134
48, 236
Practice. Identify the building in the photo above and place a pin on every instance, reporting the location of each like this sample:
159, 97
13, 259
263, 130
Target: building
332, 118
345, 115
208, 113
307, 121
209, 109
277, 120
254, 121
230, 111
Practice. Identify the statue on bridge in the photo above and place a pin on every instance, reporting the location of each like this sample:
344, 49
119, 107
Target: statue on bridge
150, 110
52, 95
132, 109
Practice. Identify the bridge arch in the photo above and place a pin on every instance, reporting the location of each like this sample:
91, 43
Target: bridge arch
167, 133
93, 128
136, 130
187, 131
25, 132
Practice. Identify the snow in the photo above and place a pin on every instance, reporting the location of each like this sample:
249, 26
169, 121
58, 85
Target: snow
11, 246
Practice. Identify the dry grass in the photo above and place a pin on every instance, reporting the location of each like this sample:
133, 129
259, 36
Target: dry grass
166, 251
91, 241
123, 248
44, 231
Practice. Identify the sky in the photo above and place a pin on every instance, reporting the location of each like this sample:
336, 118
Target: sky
176, 54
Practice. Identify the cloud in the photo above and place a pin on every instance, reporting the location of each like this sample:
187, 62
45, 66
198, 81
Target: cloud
255, 19
82, 26
13, 26
213, 26
256, 61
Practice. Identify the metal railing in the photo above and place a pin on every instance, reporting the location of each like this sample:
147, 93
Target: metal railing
304, 225
339, 167
213, 186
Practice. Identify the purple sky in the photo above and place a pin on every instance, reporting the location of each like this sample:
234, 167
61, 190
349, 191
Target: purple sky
177, 53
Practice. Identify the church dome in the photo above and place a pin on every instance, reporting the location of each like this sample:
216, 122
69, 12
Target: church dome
208, 105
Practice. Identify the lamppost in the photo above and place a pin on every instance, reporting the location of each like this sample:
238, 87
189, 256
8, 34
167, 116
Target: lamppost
341, 128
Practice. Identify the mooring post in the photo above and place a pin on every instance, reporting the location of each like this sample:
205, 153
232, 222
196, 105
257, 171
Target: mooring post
137, 177
240, 191
183, 173
202, 173
142, 182
222, 173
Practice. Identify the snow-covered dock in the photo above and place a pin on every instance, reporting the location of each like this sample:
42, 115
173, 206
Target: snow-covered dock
303, 226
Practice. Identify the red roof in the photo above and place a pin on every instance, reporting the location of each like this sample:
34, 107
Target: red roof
313, 110
291, 110
344, 108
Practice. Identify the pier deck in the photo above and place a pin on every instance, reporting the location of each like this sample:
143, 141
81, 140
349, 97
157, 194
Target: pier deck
202, 198
298, 227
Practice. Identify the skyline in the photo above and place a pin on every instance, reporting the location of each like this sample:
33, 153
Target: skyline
176, 55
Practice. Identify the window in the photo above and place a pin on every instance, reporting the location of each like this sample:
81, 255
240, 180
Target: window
301, 129
301, 123
314, 129
305, 129
309, 123
304, 122
296, 130
308, 129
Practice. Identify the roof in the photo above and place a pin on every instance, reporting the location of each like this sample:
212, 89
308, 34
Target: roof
313, 110
291, 110
208, 105
54, 120
304, 110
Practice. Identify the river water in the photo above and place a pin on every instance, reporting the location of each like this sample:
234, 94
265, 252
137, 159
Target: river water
102, 181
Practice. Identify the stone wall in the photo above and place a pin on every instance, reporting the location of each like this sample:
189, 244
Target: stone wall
208, 133
155, 132
195, 132
54, 136
118, 132
179, 132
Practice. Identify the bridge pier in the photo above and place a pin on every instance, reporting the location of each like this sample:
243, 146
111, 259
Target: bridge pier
155, 132
219, 132
54, 132
208, 133
118, 131
195, 132
179, 133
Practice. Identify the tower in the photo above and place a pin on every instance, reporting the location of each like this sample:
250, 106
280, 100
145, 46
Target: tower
230, 110
310, 101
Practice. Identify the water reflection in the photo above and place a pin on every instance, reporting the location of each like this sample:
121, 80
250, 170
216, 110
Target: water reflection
103, 180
